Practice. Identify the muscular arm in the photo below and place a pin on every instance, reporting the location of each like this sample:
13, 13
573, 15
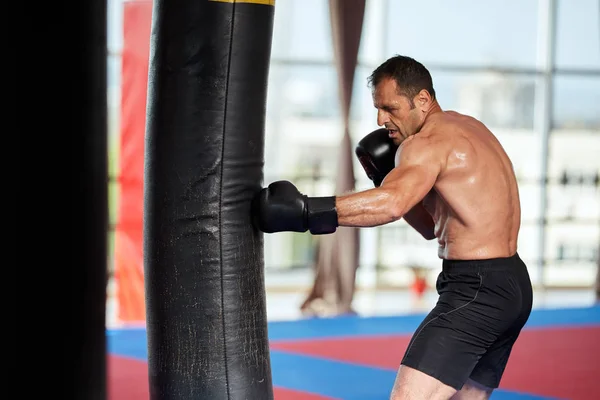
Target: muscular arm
416, 171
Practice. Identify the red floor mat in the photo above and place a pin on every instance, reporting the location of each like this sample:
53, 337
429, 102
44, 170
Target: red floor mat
288, 394
375, 351
559, 362
127, 379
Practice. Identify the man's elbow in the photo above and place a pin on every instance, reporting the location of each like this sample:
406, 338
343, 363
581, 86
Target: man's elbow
396, 212
428, 235
427, 230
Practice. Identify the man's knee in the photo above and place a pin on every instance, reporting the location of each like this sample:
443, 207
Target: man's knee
473, 391
412, 384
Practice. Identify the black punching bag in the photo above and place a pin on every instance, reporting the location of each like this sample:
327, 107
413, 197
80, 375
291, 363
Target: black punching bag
203, 259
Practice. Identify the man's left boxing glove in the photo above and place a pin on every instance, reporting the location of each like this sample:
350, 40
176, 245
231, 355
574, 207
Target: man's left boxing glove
280, 207
377, 154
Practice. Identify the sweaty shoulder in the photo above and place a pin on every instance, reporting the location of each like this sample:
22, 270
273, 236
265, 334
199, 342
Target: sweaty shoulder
421, 149
462, 136
432, 145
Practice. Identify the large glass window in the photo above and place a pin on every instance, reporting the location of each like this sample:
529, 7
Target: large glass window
487, 61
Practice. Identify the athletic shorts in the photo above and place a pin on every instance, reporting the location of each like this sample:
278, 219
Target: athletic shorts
482, 306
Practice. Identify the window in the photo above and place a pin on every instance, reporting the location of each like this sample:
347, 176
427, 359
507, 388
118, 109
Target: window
361, 107
114, 25
302, 31
573, 243
373, 40
576, 102
577, 252
578, 34
573, 171
303, 91
465, 32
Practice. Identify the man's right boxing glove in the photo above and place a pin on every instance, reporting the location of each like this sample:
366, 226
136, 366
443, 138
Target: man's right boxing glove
376, 153
280, 207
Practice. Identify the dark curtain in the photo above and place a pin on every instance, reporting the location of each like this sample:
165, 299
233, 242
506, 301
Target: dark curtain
336, 255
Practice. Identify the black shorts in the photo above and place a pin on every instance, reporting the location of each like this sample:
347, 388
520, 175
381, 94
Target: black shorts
470, 333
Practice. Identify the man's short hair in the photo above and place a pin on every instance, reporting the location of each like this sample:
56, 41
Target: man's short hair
410, 75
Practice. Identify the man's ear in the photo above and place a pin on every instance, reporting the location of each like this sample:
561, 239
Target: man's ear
423, 99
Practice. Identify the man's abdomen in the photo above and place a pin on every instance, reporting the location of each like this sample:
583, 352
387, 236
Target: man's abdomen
459, 242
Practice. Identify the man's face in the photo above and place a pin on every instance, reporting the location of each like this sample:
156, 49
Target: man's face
395, 111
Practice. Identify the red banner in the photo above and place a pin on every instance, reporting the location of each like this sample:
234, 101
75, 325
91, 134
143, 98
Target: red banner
129, 269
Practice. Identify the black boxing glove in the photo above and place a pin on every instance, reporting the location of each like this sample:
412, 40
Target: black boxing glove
376, 153
282, 208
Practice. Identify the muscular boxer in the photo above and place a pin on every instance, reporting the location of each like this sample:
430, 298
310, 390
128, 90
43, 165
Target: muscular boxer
451, 180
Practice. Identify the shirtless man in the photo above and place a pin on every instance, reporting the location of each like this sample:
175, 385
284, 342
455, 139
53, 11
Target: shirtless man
448, 176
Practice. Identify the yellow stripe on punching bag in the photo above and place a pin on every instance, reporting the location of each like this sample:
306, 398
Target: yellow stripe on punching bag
264, 2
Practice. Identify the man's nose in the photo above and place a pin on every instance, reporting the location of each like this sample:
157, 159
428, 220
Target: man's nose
382, 117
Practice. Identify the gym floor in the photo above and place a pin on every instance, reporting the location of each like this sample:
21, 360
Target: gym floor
354, 357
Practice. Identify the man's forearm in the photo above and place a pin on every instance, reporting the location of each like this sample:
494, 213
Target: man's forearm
421, 221
369, 208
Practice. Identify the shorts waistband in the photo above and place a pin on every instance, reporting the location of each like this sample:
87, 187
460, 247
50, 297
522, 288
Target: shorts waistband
497, 264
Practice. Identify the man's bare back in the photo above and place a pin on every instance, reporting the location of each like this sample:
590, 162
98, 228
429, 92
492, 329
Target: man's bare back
475, 203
